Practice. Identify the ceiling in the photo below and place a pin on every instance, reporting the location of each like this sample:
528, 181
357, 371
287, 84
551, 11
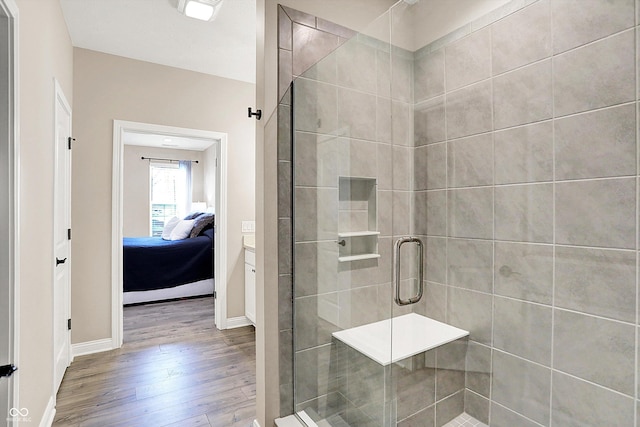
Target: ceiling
154, 31
166, 141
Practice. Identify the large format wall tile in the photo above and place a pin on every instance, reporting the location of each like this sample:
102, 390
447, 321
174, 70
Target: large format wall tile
429, 121
598, 75
523, 96
316, 216
521, 38
316, 106
356, 157
316, 268
576, 22
596, 281
437, 213
316, 160
354, 60
316, 373
523, 329
470, 213
469, 110
596, 144
524, 154
468, 60
310, 45
503, 417
310, 328
522, 386
524, 271
596, 213
470, 264
429, 75
524, 213
470, 311
356, 114
595, 349
478, 368
470, 161
578, 403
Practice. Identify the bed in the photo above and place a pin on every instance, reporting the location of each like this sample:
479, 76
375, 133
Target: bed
155, 269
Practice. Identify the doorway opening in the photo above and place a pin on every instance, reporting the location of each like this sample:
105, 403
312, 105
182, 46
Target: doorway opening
138, 139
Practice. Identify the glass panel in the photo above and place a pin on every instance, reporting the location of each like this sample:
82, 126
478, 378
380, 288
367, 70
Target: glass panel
343, 234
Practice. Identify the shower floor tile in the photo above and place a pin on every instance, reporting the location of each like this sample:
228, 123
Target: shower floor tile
464, 420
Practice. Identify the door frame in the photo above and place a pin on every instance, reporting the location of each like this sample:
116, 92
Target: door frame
220, 248
60, 97
10, 8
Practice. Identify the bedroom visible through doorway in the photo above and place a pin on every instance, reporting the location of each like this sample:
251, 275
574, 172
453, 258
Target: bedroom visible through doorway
167, 226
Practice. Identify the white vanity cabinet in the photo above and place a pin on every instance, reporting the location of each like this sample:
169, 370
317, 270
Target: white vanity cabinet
250, 285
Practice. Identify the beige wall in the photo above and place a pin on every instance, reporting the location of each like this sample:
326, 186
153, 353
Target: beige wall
136, 176
45, 53
355, 14
109, 87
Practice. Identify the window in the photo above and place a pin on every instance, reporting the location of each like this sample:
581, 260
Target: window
165, 195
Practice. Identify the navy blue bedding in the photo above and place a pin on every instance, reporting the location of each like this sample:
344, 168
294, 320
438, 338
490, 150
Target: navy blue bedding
152, 263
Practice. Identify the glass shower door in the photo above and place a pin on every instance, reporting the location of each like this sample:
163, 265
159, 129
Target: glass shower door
343, 230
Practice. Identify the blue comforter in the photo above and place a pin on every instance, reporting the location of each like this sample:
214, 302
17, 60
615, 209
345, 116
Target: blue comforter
153, 263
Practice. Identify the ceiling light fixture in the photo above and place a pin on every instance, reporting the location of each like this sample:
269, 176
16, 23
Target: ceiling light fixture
204, 10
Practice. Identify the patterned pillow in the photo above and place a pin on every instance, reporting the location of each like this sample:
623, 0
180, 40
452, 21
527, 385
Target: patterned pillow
202, 222
194, 215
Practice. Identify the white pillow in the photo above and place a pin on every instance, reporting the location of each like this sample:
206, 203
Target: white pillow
168, 228
182, 230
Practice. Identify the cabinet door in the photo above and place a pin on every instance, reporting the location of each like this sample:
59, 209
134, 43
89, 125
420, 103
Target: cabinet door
250, 292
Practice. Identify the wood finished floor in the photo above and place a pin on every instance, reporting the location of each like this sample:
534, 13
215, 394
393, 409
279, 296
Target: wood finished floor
174, 369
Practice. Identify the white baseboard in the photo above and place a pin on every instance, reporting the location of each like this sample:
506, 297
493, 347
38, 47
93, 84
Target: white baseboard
90, 347
49, 413
238, 322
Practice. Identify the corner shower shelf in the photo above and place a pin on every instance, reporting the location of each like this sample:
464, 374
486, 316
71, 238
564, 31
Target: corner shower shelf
392, 340
357, 257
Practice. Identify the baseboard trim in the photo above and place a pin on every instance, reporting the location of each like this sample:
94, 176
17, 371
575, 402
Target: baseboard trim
91, 347
49, 413
238, 322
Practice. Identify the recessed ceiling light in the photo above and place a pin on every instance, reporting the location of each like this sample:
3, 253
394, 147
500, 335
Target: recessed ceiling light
205, 10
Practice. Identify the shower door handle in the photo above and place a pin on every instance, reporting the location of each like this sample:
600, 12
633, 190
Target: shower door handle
396, 270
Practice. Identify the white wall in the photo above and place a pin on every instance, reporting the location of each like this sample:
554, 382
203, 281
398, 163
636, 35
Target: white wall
209, 190
109, 87
136, 184
45, 54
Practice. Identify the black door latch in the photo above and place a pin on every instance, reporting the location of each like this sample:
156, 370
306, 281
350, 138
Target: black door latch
7, 370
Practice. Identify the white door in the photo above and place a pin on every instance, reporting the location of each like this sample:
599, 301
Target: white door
61, 236
7, 212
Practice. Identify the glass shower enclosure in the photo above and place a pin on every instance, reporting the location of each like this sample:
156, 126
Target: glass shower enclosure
464, 217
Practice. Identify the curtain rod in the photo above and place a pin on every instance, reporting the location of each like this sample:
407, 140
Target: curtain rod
168, 160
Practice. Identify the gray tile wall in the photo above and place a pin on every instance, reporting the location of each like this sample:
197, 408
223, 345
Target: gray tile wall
526, 158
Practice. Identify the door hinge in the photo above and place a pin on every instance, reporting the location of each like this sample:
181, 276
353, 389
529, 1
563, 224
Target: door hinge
69, 140
68, 234
215, 294
7, 370
69, 324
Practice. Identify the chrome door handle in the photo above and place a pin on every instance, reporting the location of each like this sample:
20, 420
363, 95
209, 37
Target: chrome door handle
396, 267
